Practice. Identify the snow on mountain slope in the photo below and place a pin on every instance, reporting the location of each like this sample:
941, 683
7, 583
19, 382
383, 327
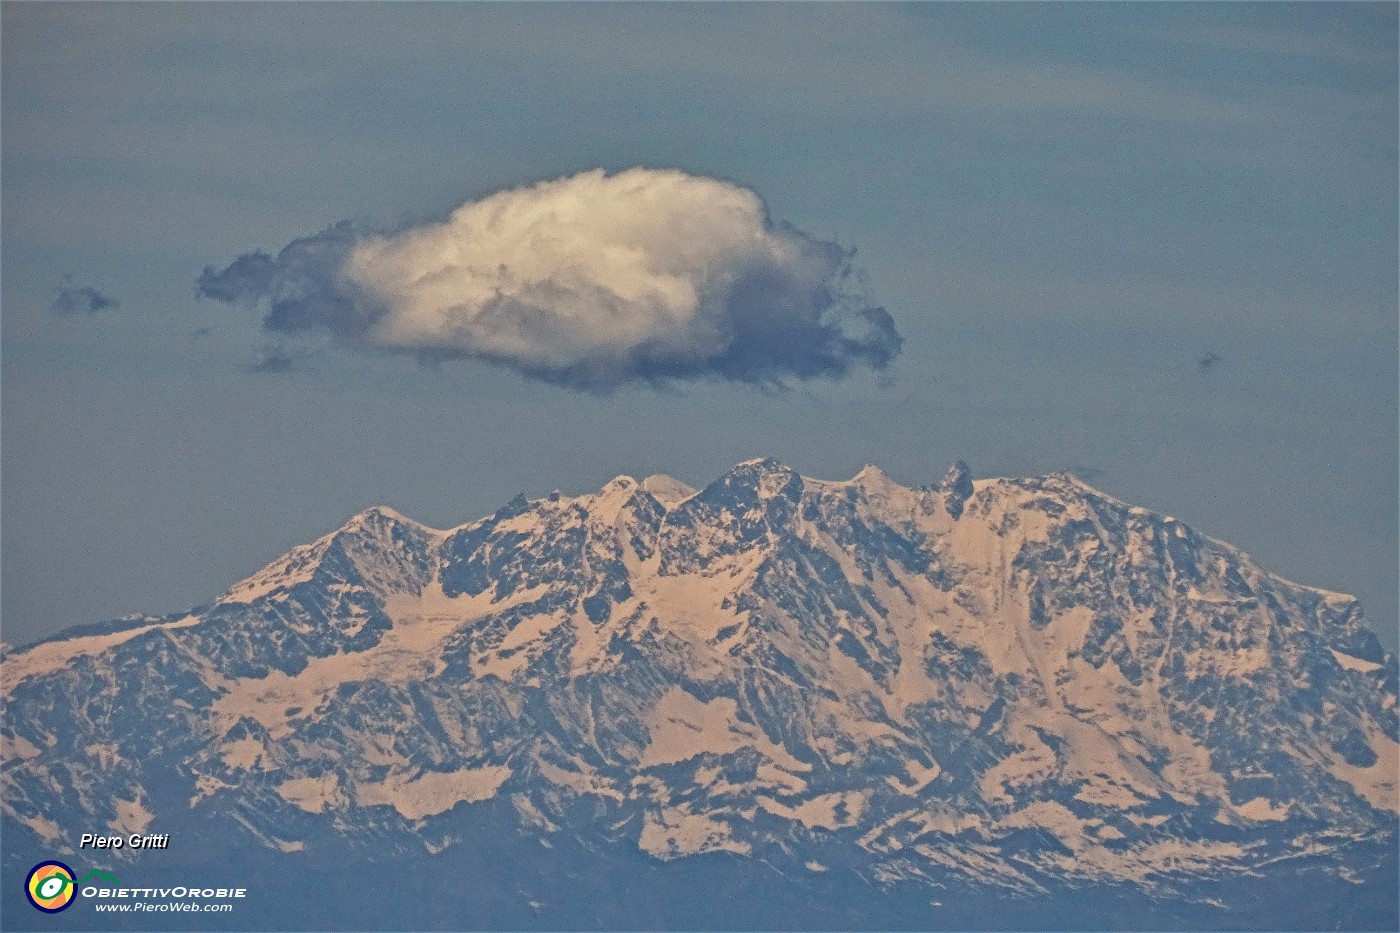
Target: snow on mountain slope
1005, 680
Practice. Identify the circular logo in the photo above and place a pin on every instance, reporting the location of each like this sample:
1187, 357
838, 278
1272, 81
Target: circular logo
50, 886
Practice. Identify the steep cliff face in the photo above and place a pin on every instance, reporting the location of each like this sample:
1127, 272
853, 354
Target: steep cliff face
1010, 682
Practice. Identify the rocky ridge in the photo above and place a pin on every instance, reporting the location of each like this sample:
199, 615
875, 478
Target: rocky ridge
1014, 683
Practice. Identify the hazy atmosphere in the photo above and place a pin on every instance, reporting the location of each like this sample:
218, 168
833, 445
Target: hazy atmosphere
266, 265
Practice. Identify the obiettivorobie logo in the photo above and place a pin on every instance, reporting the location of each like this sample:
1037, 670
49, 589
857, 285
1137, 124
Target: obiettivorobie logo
50, 886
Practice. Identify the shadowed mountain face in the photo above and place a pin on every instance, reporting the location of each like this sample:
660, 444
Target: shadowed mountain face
1020, 687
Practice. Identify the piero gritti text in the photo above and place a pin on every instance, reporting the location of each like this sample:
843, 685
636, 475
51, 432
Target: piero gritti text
134, 841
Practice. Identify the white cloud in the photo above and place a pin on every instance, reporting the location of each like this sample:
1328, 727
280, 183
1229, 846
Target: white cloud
591, 281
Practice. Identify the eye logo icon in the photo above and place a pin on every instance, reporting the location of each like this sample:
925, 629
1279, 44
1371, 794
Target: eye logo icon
50, 886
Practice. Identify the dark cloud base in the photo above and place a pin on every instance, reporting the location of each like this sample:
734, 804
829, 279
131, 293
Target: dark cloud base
300, 287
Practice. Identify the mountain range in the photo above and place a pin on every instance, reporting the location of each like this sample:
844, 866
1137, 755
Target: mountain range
773, 702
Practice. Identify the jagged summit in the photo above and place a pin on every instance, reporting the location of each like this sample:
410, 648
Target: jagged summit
956, 486
1006, 682
765, 463
757, 474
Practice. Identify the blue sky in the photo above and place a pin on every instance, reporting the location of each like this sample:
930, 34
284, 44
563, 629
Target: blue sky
1064, 208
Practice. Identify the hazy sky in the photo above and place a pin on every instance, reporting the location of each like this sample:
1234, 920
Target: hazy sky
1154, 244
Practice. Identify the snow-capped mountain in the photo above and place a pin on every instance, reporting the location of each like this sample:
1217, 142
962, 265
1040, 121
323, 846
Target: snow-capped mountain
1009, 685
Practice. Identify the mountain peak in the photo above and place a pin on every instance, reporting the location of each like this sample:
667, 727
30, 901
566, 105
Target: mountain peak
667, 490
377, 515
956, 486
619, 483
766, 476
608, 502
878, 486
761, 465
870, 474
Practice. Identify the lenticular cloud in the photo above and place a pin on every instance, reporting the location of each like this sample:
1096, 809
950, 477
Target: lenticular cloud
592, 281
